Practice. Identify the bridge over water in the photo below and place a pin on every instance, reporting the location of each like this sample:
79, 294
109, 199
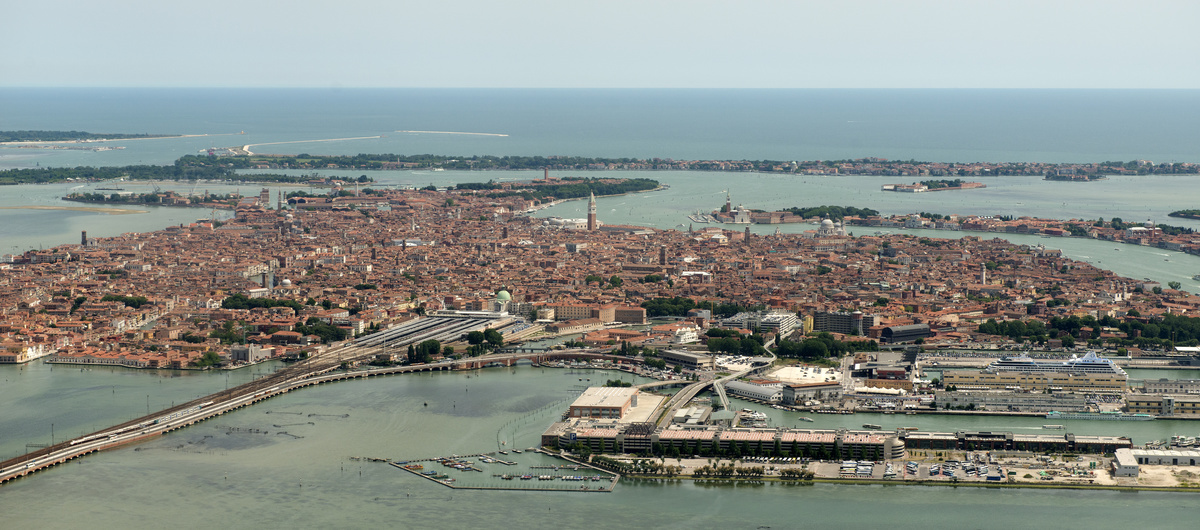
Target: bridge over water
320, 368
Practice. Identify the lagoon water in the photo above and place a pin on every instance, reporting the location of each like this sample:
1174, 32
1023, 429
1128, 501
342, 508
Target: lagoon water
221, 472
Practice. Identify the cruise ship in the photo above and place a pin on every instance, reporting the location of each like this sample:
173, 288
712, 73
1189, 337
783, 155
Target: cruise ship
1088, 364
1109, 416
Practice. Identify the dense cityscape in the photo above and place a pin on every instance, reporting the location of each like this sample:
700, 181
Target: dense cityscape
300, 278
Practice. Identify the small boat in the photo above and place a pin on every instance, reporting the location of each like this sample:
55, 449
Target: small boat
806, 418
1053, 427
871, 426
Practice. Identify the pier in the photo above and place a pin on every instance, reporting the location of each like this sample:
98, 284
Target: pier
606, 480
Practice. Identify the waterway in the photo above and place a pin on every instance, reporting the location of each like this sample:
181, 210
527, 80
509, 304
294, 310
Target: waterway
241, 470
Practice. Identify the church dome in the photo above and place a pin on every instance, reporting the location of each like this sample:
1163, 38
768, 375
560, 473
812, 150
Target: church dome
503, 295
826, 223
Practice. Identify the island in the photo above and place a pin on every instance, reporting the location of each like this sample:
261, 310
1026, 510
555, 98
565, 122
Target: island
934, 185
1185, 214
73, 136
861, 166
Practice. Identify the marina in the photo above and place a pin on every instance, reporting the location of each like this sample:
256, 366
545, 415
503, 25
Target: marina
583, 477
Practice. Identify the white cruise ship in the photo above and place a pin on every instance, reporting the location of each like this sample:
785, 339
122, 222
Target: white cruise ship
1109, 416
1088, 364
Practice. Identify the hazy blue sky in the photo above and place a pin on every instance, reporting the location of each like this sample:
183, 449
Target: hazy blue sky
611, 43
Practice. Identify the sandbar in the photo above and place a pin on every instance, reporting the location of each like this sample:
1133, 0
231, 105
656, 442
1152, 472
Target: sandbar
109, 211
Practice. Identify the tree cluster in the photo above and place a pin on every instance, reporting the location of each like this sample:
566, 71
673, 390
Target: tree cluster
679, 307
822, 346
241, 301
832, 212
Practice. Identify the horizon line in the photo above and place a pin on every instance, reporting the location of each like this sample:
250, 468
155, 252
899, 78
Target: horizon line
370, 87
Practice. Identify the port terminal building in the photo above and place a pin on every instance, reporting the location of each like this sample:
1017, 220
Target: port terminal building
1040, 381
604, 402
1164, 405
1005, 401
1007, 441
613, 437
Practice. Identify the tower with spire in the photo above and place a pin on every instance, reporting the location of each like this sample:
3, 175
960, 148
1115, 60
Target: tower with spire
591, 220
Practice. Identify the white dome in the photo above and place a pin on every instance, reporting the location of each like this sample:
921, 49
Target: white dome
826, 223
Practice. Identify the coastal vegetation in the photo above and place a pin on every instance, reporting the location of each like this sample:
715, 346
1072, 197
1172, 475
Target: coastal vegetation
136, 198
860, 166
939, 184
67, 136
831, 212
1186, 214
570, 188
135, 172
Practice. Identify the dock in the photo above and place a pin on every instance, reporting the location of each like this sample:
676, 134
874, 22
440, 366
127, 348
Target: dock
606, 480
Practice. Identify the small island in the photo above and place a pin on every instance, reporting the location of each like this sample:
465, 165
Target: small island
73, 136
934, 185
1185, 214
1074, 177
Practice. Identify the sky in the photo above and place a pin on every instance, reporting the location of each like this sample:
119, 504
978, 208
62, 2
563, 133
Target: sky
602, 44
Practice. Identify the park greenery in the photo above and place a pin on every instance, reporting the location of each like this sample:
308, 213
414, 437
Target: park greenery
831, 212
943, 183
571, 188
241, 301
733, 342
679, 307
822, 346
129, 301
1163, 332
424, 352
481, 342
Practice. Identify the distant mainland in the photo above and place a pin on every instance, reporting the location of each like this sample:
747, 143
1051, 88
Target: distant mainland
221, 165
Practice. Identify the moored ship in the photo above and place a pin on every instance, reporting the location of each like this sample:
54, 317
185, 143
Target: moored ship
1109, 416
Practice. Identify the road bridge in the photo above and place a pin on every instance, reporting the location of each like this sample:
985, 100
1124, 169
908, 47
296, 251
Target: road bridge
319, 368
680, 399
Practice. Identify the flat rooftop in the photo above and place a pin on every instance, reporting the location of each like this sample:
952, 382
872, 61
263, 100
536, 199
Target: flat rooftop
604, 396
804, 375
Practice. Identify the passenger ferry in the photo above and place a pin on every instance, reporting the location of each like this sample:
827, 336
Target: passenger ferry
1109, 416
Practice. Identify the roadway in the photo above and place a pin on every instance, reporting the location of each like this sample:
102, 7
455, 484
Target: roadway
684, 396
317, 369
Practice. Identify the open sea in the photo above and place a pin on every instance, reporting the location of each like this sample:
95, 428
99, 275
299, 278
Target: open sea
226, 473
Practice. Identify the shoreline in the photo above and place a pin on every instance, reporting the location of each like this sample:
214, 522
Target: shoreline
905, 482
109, 211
